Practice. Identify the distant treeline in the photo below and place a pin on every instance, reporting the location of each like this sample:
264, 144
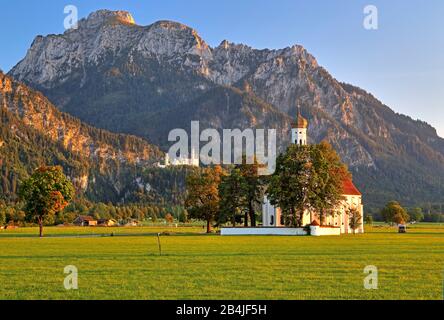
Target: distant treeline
14, 214
425, 213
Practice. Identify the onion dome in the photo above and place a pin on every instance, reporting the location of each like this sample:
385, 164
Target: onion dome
301, 122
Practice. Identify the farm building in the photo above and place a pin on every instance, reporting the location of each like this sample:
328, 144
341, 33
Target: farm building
107, 222
132, 223
85, 221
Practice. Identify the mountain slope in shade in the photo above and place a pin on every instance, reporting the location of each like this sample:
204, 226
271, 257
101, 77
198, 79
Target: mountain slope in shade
147, 80
33, 133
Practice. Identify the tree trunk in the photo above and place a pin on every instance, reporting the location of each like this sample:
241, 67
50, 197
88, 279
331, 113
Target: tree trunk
253, 218
294, 218
299, 219
40, 227
252, 214
208, 226
246, 219
290, 218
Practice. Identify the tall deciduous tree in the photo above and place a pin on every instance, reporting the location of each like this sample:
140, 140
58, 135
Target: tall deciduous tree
202, 200
393, 212
307, 178
253, 186
329, 174
291, 186
45, 193
417, 214
232, 197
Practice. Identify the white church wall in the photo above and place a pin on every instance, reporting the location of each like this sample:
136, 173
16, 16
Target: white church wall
324, 231
308, 217
263, 231
271, 215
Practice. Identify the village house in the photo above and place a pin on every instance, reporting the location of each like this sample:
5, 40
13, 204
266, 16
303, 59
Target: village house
107, 223
85, 221
132, 223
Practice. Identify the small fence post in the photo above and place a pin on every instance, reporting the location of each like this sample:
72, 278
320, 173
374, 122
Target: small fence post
158, 242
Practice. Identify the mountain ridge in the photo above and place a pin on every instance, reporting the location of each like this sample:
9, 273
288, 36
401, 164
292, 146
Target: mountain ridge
138, 80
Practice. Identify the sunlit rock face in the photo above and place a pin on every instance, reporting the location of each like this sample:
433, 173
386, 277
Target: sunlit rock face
35, 111
101, 17
33, 132
147, 80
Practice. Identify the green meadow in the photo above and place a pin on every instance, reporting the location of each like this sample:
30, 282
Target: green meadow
193, 265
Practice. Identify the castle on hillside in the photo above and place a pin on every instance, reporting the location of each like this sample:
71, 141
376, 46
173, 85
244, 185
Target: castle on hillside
181, 161
352, 198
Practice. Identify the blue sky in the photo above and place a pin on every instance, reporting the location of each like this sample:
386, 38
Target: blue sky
401, 63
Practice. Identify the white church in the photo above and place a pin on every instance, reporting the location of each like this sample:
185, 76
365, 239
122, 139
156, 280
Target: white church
272, 222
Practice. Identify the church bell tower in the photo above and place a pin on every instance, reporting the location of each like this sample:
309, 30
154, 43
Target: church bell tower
299, 130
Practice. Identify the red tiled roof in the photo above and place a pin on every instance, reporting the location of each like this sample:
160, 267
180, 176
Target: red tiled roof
349, 188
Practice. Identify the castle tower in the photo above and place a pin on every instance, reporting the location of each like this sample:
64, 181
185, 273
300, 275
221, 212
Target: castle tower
299, 130
194, 160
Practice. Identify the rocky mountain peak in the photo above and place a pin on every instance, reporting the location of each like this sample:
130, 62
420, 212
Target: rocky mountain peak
104, 33
170, 25
175, 37
101, 17
225, 44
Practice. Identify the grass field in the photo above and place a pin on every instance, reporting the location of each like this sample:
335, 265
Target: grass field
198, 266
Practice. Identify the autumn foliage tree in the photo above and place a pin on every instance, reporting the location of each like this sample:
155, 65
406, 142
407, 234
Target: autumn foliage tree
308, 177
202, 200
169, 218
393, 212
329, 174
45, 193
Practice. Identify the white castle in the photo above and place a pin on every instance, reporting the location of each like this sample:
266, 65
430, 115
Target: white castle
181, 161
352, 198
